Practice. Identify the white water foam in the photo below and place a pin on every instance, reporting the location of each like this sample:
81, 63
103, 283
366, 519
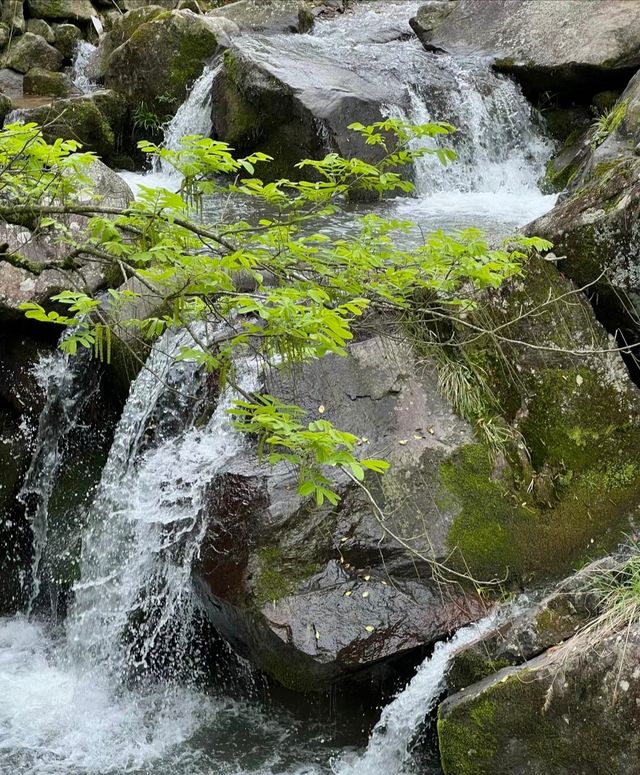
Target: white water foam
67, 384
389, 748
83, 65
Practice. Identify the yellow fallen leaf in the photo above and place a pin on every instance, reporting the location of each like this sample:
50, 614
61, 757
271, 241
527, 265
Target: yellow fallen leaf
317, 635
402, 441
321, 408
369, 628
366, 578
365, 594
348, 593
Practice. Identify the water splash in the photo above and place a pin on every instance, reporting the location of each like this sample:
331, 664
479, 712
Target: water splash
68, 384
82, 71
389, 748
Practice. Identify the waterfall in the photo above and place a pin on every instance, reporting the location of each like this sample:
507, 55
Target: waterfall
499, 147
193, 117
83, 63
67, 384
389, 746
147, 520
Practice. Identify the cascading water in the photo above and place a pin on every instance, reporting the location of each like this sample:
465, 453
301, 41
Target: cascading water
193, 117
389, 748
82, 70
139, 559
69, 703
68, 384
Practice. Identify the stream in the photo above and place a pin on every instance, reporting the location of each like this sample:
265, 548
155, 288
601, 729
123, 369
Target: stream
78, 698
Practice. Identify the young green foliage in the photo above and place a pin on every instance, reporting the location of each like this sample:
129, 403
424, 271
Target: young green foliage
276, 283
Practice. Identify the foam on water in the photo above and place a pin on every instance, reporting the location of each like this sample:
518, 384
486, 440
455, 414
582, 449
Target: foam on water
56, 718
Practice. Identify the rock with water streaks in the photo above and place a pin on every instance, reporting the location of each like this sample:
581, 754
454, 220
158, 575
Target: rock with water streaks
268, 16
566, 45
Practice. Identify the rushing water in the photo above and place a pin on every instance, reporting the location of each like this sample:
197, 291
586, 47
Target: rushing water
81, 700
68, 384
82, 69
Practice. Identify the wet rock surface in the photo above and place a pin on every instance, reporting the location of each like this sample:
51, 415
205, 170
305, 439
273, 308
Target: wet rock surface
316, 594
559, 44
562, 712
268, 16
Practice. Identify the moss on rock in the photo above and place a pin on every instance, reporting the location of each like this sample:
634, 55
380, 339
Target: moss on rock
567, 482
278, 576
160, 57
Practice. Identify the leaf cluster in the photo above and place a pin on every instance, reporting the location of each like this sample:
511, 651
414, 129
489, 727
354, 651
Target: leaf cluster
279, 287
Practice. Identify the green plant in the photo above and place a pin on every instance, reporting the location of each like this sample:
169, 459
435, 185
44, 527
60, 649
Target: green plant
607, 123
146, 120
307, 290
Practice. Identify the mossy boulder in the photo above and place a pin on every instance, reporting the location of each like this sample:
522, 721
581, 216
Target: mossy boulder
542, 479
40, 27
48, 84
62, 10
566, 482
66, 39
122, 29
31, 50
564, 712
163, 56
94, 120
545, 624
13, 15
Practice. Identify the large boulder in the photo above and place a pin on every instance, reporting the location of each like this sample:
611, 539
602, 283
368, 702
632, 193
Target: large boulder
312, 595
47, 83
268, 16
19, 285
548, 480
595, 226
13, 15
568, 711
31, 50
556, 402
162, 57
293, 103
94, 119
561, 45
62, 10
66, 39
